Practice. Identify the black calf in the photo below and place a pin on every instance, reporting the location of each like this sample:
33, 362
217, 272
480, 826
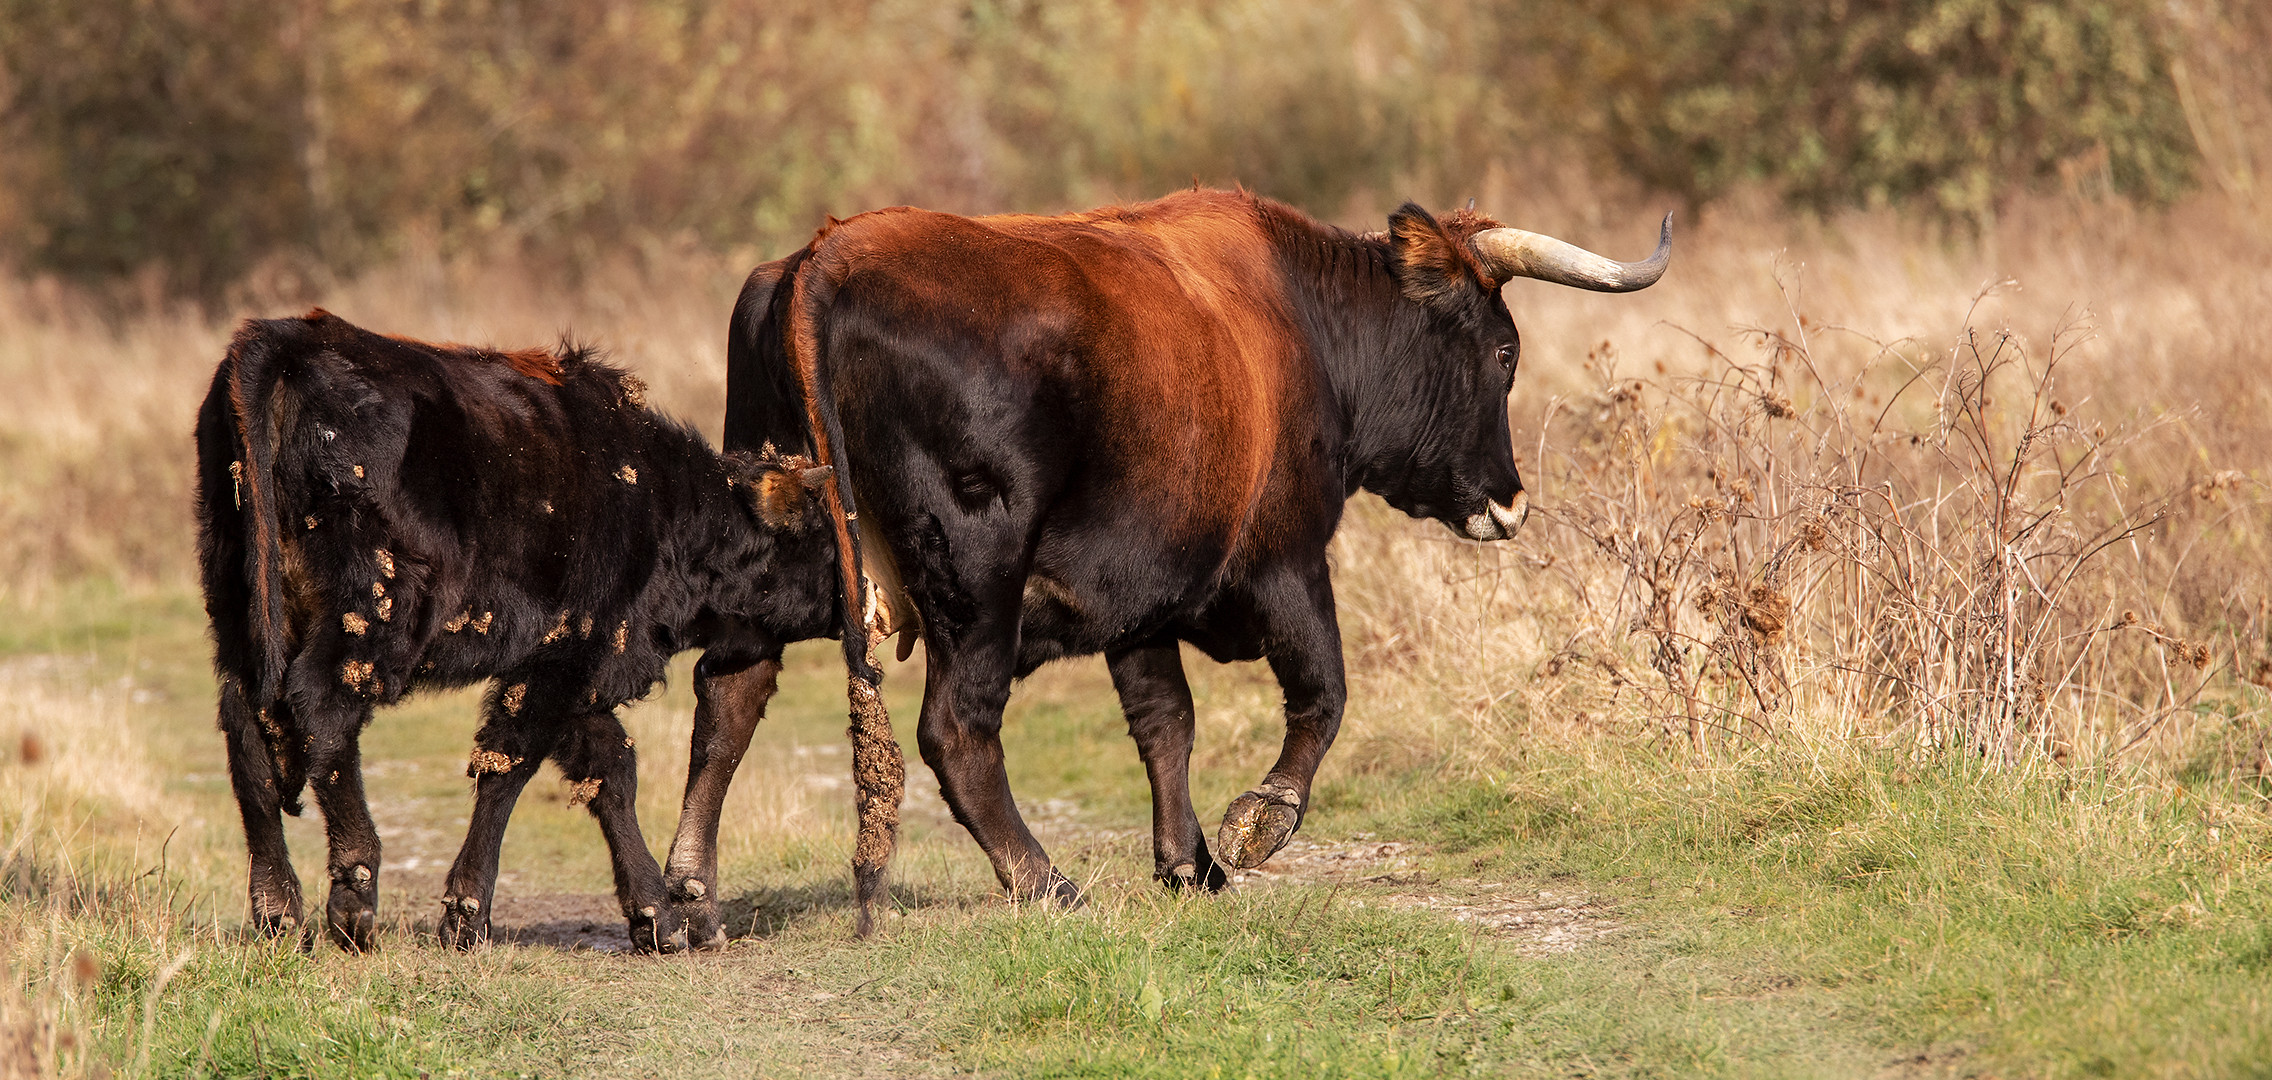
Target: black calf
379, 515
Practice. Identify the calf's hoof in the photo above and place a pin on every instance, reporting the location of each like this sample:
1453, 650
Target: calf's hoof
655, 928
1257, 824
351, 911
276, 924
351, 926
464, 923
700, 926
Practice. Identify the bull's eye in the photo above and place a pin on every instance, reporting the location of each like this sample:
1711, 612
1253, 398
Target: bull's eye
1507, 357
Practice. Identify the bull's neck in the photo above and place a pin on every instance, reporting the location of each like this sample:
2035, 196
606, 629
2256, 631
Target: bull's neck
1359, 325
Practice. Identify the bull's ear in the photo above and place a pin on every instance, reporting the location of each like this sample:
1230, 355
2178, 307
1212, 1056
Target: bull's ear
1430, 266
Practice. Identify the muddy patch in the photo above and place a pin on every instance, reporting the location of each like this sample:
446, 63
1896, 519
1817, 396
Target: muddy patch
1537, 922
569, 922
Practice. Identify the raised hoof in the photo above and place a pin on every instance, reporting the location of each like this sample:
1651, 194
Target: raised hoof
1188, 877
1258, 824
655, 929
464, 923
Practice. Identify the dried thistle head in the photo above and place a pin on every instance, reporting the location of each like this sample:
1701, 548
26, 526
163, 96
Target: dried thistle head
1776, 406
2214, 488
1766, 612
1814, 535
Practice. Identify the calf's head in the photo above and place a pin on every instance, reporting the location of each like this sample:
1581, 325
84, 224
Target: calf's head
783, 577
1455, 348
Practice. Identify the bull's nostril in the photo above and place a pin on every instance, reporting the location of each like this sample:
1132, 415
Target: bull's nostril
1509, 518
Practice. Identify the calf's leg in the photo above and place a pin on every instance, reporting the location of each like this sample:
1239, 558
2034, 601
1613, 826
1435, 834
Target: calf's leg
1157, 701
335, 770
730, 694
274, 887
517, 734
599, 759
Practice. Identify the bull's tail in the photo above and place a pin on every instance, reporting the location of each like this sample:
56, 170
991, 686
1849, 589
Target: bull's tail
879, 773
241, 548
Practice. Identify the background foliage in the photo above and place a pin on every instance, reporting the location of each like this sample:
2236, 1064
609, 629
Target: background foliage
201, 140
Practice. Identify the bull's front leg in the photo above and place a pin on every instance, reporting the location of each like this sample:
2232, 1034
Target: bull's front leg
730, 693
1306, 658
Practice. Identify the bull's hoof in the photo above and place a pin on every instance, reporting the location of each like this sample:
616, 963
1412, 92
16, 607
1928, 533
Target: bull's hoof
1258, 824
1203, 875
464, 923
655, 929
1057, 888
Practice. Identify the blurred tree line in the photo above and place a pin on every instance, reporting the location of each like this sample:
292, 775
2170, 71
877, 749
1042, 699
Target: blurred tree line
206, 137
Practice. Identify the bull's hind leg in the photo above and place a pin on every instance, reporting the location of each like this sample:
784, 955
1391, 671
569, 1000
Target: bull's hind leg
516, 735
1157, 701
598, 758
730, 693
1306, 657
960, 734
274, 886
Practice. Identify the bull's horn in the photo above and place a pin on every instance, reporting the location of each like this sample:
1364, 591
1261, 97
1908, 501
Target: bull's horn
1513, 253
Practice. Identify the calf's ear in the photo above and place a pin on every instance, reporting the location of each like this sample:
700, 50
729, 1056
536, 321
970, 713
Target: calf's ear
1431, 266
782, 499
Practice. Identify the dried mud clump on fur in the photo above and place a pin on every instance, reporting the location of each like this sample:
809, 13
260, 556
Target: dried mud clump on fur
879, 775
488, 761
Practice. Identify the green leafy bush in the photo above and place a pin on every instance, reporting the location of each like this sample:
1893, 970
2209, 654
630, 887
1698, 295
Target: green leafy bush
1945, 104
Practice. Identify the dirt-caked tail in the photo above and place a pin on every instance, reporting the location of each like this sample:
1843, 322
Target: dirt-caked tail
879, 772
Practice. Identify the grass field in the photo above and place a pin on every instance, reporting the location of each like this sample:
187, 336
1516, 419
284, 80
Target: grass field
1542, 848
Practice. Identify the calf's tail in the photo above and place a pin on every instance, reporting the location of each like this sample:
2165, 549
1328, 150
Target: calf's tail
879, 772
240, 547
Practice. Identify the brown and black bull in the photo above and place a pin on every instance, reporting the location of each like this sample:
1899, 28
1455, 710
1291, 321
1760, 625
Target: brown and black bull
379, 515
1119, 430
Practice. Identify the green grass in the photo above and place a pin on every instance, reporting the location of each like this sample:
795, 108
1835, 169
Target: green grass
1801, 911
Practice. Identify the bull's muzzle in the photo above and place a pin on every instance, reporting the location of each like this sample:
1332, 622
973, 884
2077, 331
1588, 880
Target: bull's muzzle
1498, 522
